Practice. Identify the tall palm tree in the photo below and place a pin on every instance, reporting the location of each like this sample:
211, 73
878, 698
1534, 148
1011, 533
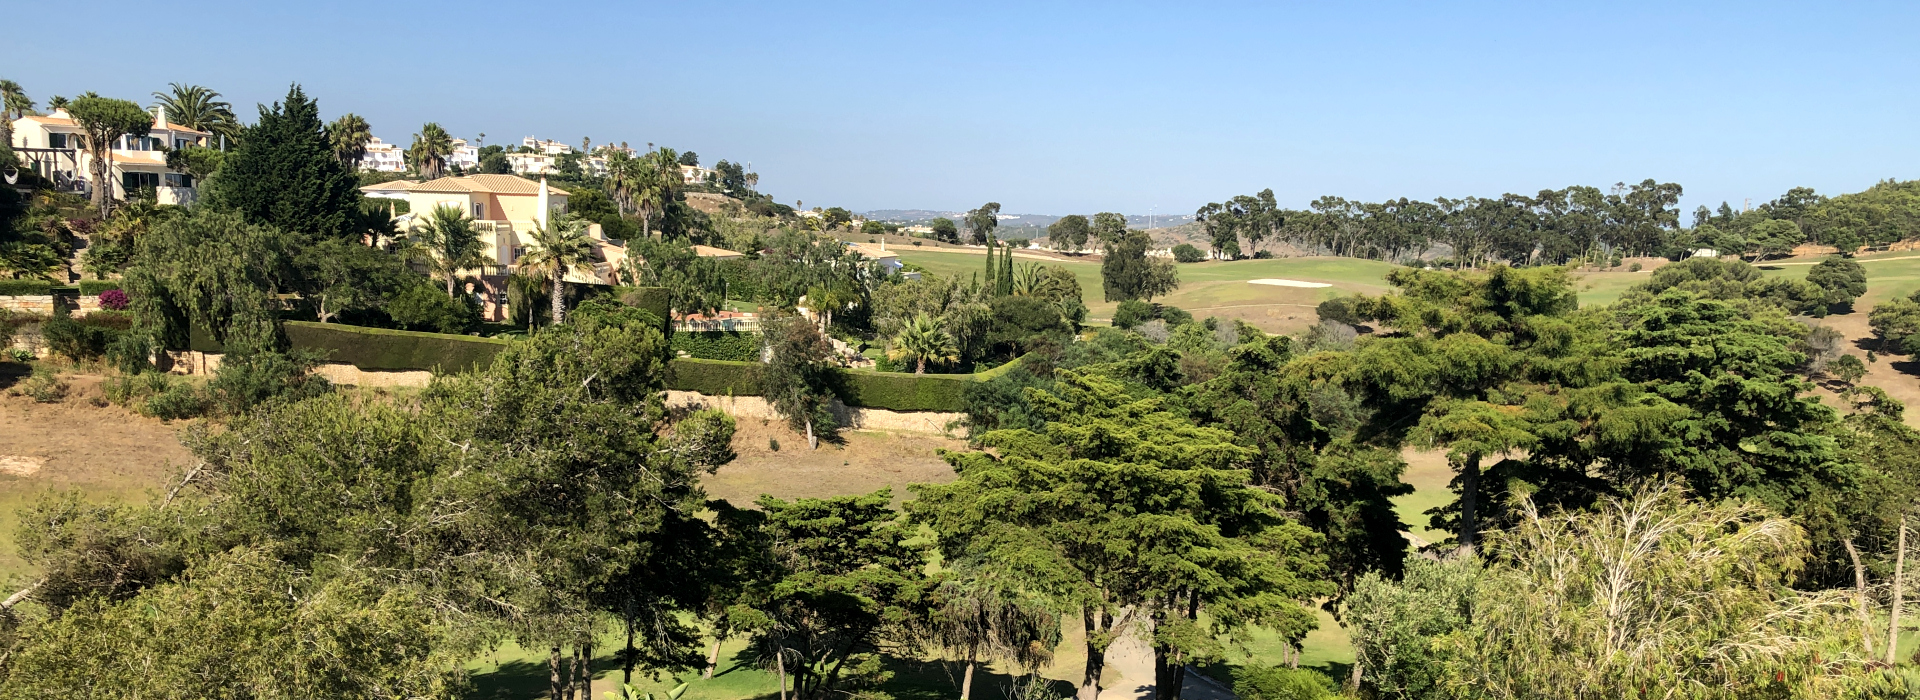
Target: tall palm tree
14, 104
430, 150
559, 246
198, 108
447, 244
659, 179
349, 136
624, 173
923, 340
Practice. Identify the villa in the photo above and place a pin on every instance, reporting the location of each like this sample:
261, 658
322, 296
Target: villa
50, 146
384, 157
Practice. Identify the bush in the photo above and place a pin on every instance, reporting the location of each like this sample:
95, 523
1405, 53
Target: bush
423, 307
94, 288
1173, 315
113, 300
718, 345
1132, 312
78, 339
21, 355
249, 378
179, 402
1186, 253
1256, 683
714, 377
1340, 310
1634, 267
22, 288
44, 386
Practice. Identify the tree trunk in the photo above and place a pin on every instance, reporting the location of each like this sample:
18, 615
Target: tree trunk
555, 689
780, 665
1353, 681
713, 658
1469, 498
449, 283
1860, 596
966, 679
1893, 615
813, 443
582, 671
626, 662
1090, 623
559, 296
922, 369
102, 191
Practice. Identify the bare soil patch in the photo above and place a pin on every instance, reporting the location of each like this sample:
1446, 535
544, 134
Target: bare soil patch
864, 461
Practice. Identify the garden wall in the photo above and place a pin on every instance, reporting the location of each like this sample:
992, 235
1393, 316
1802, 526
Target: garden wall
856, 418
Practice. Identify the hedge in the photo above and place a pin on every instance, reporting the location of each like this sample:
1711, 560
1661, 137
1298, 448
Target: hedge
385, 349
893, 391
93, 288
718, 345
22, 288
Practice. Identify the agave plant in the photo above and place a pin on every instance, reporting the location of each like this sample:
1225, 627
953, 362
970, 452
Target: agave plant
628, 692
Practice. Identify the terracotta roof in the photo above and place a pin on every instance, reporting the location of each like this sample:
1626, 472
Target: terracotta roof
494, 184
394, 186
176, 127
56, 121
707, 251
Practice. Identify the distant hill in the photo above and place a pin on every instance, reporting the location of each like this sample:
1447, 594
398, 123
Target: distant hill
1022, 225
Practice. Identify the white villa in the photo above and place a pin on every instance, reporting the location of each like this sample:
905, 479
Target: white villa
50, 145
465, 156
384, 157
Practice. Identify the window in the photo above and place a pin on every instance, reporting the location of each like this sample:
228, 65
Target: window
479, 210
57, 141
130, 182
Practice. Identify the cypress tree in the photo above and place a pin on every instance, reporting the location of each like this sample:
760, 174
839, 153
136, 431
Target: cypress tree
284, 174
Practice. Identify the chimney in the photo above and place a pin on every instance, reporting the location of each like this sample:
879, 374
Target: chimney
159, 117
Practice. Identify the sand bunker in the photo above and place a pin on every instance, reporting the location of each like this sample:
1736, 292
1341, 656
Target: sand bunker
1290, 283
20, 466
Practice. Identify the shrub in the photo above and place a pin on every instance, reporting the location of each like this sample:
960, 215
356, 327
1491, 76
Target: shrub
1173, 315
113, 299
1340, 310
718, 345
76, 340
21, 288
1257, 683
179, 402
249, 378
1132, 312
44, 386
21, 355
95, 288
1634, 267
1186, 253
422, 307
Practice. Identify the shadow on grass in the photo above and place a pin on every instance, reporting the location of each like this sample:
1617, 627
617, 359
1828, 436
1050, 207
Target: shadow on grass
1333, 670
12, 373
523, 680
940, 680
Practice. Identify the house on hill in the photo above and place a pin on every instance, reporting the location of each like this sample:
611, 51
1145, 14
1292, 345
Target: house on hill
50, 145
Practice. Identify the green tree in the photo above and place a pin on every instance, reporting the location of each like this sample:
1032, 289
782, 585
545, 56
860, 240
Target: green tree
1843, 279
198, 108
1394, 625
285, 175
430, 149
944, 231
210, 270
1127, 273
103, 121
976, 616
843, 581
1653, 594
923, 340
1108, 228
1120, 510
342, 276
1069, 234
349, 136
559, 246
799, 378
14, 104
447, 243
982, 221
1896, 322
1186, 253
835, 217
1773, 237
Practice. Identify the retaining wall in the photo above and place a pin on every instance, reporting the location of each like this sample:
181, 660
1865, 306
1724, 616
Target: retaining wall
752, 407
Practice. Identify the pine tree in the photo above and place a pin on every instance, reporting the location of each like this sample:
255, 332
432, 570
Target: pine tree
284, 174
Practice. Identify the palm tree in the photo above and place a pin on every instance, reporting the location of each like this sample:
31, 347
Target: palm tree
656, 187
198, 108
624, 175
430, 150
922, 340
447, 244
559, 246
14, 104
349, 136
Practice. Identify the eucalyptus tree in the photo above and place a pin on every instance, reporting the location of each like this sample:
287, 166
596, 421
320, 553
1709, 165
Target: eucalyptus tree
349, 136
1069, 234
198, 108
982, 221
103, 121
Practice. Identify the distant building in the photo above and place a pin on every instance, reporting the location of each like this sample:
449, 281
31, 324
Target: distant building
50, 145
696, 175
396, 189
552, 148
465, 156
383, 157
707, 251
535, 163
887, 259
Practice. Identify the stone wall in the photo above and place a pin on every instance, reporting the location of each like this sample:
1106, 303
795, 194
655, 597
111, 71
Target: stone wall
190, 362
752, 407
44, 304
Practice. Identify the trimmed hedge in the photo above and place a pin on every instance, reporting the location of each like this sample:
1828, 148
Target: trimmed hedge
385, 349
718, 345
24, 288
93, 288
652, 299
893, 391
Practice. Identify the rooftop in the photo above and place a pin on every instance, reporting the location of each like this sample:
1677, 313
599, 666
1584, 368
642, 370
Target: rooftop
493, 184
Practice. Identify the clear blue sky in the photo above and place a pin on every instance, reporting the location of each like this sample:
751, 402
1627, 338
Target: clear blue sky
1058, 108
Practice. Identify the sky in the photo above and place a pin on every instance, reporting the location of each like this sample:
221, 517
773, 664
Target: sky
1057, 108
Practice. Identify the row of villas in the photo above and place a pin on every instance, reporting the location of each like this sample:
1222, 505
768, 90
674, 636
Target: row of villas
540, 157
50, 146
